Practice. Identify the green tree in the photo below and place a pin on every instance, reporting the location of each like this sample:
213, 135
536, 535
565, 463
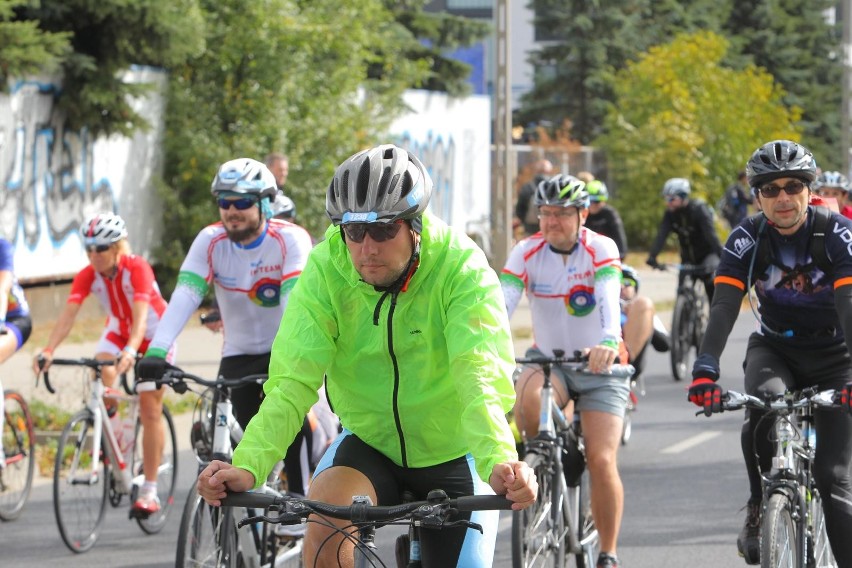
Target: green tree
278, 75
25, 48
679, 112
106, 38
426, 36
795, 43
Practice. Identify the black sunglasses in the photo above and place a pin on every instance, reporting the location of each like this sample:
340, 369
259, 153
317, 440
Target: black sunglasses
379, 232
98, 248
772, 190
241, 204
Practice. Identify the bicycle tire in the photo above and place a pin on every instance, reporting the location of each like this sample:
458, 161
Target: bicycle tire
819, 549
166, 475
79, 507
539, 531
681, 336
587, 532
16, 479
778, 533
200, 541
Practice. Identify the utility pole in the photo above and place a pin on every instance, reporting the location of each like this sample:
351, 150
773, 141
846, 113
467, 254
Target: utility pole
502, 176
845, 8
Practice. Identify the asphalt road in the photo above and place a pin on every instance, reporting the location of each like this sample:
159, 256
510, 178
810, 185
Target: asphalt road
683, 476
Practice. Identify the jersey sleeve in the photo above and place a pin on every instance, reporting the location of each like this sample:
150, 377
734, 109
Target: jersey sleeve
838, 246
81, 285
608, 287
7, 256
513, 278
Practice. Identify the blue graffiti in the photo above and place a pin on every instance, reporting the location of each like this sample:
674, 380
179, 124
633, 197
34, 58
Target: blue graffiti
439, 157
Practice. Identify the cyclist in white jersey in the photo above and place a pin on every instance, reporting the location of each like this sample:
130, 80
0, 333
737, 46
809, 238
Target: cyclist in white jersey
572, 277
252, 262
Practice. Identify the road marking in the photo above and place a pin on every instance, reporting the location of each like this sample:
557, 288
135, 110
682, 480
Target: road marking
684, 445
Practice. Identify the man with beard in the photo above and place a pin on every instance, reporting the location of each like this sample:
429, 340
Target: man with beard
252, 260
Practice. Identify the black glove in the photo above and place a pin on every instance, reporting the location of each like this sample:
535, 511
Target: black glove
151, 368
846, 397
652, 262
707, 394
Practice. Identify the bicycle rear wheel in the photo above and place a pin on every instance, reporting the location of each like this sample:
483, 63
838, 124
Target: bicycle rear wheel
819, 549
538, 532
580, 509
79, 495
207, 536
166, 474
778, 533
682, 336
16, 478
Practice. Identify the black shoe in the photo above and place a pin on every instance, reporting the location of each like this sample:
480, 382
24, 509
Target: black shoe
748, 542
607, 561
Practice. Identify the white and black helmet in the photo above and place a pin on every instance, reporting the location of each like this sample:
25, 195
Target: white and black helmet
245, 176
831, 179
379, 185
103, 229
562, 190
780, 159
676, 187
283, 207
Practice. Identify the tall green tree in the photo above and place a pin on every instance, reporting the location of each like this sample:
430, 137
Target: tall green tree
24, 47
802, 50
278, 75
106, 38
679, 112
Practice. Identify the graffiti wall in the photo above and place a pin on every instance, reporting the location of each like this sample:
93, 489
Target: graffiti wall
53, 178
453, 139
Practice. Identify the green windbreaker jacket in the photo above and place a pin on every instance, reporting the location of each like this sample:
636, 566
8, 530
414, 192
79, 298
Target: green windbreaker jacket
427, 381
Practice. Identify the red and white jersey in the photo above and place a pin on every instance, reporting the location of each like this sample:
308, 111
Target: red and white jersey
133, 282
574, 298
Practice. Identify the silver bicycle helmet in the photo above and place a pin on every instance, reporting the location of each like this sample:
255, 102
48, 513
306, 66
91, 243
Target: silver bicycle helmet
831, 179
379, 185
103, 229
245, 176
563, 190
283, 207
676, 187
779, 159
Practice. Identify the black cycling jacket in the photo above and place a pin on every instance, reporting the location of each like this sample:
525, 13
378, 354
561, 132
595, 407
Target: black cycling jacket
608, 223
696, 232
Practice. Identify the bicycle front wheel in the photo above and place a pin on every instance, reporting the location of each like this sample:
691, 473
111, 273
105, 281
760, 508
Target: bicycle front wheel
819, 549
166, 474
16, 479
580, 509
682, 336
538, 532
79, 491
778, 533
207, 536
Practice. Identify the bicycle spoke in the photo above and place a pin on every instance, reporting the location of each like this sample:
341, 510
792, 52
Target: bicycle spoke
16, 477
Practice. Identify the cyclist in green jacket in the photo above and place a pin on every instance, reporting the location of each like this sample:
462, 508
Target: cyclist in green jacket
406, 320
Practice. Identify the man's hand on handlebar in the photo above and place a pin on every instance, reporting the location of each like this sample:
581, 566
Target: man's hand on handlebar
41, 362
707, 394
602, 358
151, 368
220, 477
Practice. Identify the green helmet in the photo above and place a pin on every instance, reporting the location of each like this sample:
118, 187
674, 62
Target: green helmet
598, 192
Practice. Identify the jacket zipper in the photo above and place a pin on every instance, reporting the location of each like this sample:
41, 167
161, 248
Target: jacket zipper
396, 416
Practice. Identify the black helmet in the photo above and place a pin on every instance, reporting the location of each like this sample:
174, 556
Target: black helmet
379, 185
779, 159
563, 190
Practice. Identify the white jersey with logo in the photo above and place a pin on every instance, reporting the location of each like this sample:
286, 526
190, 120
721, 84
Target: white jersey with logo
251, 283
574, 298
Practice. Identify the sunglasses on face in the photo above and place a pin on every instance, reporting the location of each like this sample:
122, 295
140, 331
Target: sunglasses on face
772, 190
379, 232
97, 248
241, 204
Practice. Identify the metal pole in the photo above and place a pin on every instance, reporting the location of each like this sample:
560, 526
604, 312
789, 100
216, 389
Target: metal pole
502, 176
845, 118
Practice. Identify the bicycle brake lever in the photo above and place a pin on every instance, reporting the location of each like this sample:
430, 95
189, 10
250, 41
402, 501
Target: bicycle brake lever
463, 523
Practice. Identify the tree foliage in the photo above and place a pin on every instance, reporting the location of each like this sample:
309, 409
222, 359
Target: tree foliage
105, 38
278, 75
679, 112
24, 47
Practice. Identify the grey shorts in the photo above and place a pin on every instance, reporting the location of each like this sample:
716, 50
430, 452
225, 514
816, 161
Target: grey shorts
592, 392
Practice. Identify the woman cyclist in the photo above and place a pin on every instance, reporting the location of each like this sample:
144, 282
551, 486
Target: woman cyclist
125, 287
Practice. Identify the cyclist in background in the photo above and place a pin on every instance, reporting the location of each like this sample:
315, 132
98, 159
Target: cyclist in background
125, 287
15, 322
383, 311
603, 218
572, 277
692, 221
804, 338
253, 262
639, 322
836, 186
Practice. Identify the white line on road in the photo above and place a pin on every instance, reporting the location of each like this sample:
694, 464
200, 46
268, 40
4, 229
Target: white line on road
684, 445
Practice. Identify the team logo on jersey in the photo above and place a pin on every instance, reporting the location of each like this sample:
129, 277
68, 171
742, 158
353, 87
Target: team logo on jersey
580, 301
266, 292
740, 242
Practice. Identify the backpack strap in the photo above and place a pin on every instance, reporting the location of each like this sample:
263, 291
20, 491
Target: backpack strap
819, 226
762, 253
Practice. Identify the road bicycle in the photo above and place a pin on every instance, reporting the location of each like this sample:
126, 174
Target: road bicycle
689, 318
209, 536
436, 512
792, 527
560, 522
92, 467
16, 475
